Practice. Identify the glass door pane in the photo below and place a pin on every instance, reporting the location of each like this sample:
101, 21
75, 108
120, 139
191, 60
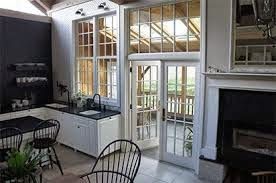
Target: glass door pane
180, 105
146, 97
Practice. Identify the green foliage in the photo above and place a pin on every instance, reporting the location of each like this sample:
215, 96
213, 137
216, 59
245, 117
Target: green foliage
23, 164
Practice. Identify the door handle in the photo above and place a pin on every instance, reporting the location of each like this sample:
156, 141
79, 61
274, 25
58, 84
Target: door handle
163, 114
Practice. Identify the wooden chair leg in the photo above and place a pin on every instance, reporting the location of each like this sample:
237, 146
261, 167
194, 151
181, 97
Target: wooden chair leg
57, 161
50, 158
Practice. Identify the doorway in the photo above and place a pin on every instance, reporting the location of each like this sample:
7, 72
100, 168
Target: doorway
163, 110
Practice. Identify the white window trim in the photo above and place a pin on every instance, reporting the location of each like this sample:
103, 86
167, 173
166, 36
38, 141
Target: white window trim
94, 18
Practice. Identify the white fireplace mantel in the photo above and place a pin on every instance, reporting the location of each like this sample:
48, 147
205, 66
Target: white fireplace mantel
237, 81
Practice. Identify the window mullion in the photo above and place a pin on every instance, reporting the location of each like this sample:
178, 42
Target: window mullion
95, 61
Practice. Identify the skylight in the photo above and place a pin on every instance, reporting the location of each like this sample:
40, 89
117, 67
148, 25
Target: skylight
20, 5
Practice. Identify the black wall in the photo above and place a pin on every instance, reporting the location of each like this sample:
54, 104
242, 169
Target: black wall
23, 41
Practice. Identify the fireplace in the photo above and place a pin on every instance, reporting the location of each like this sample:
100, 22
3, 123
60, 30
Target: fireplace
247, 129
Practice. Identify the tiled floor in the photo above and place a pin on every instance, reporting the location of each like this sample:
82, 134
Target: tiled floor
151, 171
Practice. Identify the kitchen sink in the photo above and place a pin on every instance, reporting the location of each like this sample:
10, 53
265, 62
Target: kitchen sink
90, 112
55, 105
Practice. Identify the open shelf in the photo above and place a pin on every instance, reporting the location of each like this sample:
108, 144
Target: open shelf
32, 84
30, 67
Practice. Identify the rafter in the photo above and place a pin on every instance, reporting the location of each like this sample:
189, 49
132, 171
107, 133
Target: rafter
123, 1
43, 5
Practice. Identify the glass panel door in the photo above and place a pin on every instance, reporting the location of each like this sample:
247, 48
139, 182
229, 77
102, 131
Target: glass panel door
179, 110
145, 103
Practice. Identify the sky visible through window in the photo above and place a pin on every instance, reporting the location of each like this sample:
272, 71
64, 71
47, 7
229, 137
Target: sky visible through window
20, 5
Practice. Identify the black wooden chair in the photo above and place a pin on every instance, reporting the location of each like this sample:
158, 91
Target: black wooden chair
118, 162
10, 139
44, 138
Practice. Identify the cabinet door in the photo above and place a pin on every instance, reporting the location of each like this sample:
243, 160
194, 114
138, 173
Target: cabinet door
93, 138
82, 137
109, 130
67, 134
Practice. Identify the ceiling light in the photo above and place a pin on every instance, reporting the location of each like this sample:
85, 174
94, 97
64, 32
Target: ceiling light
103, 6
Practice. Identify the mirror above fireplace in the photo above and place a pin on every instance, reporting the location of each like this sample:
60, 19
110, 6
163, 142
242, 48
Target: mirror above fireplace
253, 36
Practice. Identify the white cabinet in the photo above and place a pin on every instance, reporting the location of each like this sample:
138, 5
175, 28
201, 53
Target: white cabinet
81, 133
66, 133
108, 131
93, 138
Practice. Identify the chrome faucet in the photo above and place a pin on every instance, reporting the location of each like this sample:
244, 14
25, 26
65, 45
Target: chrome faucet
100, 105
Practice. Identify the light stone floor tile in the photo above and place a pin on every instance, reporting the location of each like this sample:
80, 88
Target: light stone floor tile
151, 171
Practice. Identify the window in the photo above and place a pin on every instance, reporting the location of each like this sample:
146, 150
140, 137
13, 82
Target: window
165, 28
97, 71
107, 78
20, 5
84, 71
107, 63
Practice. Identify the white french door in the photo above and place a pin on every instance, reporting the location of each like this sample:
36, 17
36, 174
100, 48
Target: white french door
163, 109
179, 96
146, 103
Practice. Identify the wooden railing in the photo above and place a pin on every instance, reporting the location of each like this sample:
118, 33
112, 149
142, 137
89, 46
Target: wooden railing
179, 106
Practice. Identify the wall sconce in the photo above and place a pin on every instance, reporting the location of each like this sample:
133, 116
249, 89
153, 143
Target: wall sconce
103, 6
80, 12
265, 15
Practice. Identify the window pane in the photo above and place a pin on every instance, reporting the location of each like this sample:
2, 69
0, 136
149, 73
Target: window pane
84, 49
144, 46
107, 77
155, 46
155, 14
166, 28
181, 27
168, 44
181, 10
168, 12
194, 8
144, 15
181, 44
133, 18
144, 31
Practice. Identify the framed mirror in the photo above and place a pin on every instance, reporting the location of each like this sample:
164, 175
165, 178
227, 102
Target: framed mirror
253, 36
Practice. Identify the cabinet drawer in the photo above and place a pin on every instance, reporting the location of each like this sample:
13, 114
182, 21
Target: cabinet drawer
81, 120
109, 118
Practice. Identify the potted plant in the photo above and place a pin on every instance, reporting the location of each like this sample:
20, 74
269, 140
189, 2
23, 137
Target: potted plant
189, 145
79, 99
23, 166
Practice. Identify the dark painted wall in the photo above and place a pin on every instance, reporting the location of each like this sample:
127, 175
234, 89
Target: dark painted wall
24, 41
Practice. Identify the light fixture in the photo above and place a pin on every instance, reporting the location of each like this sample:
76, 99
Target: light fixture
80, 12
103, 6
265, 14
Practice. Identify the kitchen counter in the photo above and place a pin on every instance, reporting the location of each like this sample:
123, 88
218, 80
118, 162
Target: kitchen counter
71, 110
76, 111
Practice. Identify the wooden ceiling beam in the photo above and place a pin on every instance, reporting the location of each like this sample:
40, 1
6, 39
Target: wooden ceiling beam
43, 5
123, 1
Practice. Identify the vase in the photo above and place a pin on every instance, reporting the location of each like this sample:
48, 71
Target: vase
79, 104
